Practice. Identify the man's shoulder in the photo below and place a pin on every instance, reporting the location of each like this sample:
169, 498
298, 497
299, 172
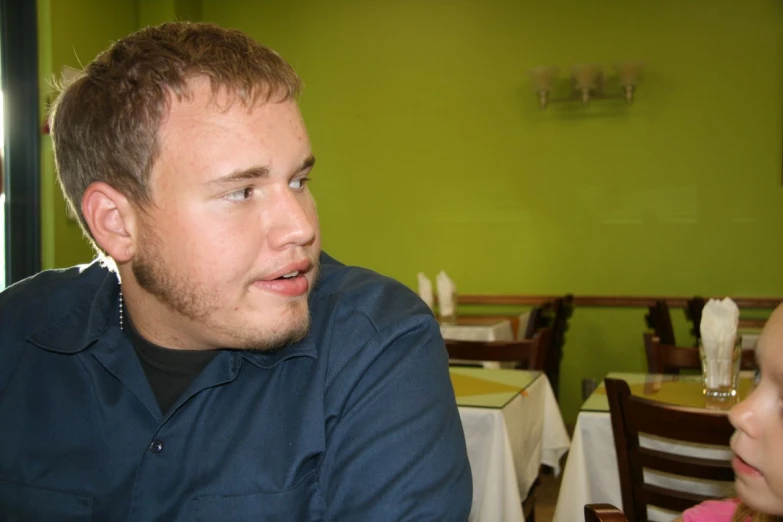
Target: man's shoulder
47, 293
35, 303
383, 300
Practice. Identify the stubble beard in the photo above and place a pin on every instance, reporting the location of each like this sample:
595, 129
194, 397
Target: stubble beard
199, 305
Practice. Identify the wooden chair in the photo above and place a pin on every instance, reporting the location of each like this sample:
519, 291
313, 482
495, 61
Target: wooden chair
603, 513
541, 316
529, 504
529, 354
663, 358
659, 320
693, 309
563, 308
633, 415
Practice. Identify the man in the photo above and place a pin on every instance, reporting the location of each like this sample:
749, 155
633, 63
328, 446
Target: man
215, 365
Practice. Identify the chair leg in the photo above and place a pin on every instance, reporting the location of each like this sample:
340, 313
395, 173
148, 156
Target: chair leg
529, 508
529, 504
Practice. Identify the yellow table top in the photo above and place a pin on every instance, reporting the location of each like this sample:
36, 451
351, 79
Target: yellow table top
679, 390
486, 388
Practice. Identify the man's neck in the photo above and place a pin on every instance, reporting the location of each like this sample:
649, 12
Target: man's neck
156, 322
169, 372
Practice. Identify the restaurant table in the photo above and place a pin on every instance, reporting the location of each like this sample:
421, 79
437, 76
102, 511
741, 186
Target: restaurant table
591, 474
477, 328
512, 426
749, 339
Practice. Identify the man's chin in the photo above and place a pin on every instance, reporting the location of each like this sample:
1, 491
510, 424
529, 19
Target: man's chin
278, 336
276, 343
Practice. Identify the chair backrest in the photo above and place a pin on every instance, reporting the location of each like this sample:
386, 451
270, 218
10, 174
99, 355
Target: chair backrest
541, 316
693, 309
659, 320
663, 358
603, 513
633, 415
529, 354
563, 308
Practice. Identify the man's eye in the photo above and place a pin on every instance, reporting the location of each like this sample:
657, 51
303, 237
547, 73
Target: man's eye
298, 184
240, 195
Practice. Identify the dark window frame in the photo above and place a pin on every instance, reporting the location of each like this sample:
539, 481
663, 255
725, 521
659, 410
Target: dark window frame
22, 132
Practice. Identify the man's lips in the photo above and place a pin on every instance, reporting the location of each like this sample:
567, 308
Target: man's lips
296, 268
288, 281
287, 287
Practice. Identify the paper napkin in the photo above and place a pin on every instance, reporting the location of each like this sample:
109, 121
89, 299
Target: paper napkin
447, 294
719, 320
425, 289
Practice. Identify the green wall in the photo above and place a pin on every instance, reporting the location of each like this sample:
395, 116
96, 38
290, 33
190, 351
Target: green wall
152, 12
433, 154
72, 33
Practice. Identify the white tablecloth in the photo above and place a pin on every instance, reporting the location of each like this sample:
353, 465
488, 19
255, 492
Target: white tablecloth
500, 331
591, 474
749, 340
506, 448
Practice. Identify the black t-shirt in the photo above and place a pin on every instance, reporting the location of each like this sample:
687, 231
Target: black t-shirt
168, 371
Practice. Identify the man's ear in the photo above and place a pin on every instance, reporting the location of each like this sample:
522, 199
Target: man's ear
112, 220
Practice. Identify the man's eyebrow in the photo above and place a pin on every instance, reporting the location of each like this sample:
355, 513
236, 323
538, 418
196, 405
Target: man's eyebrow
240, 175
255, 173
308, 163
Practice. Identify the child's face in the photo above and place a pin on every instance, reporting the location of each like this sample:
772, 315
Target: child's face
758, 441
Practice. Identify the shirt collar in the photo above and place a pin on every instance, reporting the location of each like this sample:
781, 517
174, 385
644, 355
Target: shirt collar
304, 348
79, 311
83, 311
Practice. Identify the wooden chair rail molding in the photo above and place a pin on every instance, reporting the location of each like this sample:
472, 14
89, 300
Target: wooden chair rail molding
629, 301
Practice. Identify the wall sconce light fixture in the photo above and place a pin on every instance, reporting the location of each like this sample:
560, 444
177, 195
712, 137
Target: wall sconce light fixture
587, 81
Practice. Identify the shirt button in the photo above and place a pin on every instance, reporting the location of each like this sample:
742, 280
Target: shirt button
156, 446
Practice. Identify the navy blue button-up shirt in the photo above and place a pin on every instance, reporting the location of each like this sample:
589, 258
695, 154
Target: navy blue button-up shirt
355, 422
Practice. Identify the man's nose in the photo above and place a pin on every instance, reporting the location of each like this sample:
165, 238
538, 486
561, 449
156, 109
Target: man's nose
293, 220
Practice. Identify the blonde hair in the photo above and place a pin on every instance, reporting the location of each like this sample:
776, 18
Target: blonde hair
105, 125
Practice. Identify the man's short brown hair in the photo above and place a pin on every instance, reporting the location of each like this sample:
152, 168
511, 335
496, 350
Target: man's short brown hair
105, 125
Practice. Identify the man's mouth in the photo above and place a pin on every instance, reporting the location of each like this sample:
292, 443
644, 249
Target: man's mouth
290, 280
290, 271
